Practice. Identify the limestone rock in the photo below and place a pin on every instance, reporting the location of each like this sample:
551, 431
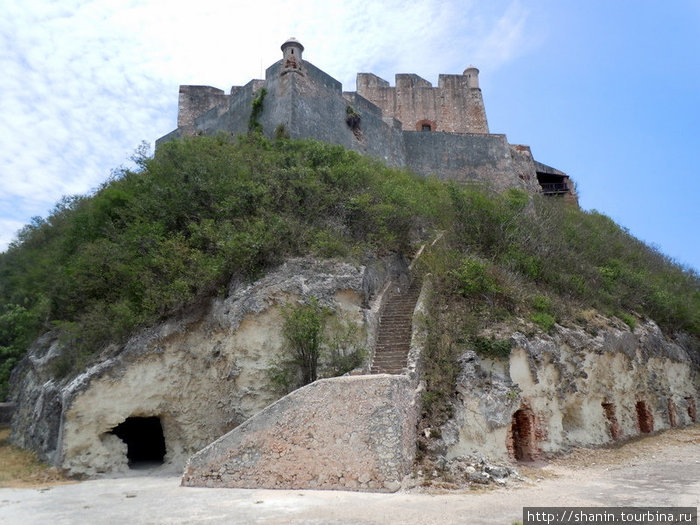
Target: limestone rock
200, 373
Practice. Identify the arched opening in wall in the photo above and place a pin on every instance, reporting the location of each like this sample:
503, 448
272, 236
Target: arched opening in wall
692, 410
523, 431
645, 418
672, 416
613, 423
144, 441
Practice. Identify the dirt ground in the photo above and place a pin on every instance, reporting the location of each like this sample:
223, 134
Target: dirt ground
658, 470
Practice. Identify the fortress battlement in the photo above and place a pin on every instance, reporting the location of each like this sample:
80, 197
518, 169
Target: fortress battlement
441, 131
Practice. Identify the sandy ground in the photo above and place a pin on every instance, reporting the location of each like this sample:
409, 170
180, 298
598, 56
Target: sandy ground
659, 470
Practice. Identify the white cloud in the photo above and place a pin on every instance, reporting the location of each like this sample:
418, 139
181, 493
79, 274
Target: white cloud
8, 229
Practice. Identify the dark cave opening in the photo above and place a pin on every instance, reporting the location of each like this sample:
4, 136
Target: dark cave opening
144, 440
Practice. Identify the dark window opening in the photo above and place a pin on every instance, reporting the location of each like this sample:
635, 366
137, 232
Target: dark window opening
144, 440
292, 51
523, 429
553, 184
426, 127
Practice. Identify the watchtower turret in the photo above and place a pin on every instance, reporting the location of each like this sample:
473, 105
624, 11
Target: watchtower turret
472, 75
291, 53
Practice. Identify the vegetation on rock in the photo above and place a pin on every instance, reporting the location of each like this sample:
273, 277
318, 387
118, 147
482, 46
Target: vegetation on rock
151, 241
317, 345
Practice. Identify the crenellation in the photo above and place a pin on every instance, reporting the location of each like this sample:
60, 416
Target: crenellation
430, 130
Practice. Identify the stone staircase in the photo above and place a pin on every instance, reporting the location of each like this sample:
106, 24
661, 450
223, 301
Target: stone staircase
394, 333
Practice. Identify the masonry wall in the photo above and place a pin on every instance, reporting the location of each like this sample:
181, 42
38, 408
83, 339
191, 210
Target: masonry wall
465, 158
452, 107
312, 105
524, 166
234, 116
195, 100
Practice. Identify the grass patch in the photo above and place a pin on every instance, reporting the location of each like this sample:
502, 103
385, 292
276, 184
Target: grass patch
21, 468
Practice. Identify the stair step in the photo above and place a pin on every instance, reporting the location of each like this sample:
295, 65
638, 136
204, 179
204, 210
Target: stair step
394, 332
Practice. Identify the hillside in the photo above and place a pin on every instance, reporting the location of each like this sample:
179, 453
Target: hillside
151, 242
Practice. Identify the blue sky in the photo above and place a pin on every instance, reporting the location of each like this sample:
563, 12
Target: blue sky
607, 91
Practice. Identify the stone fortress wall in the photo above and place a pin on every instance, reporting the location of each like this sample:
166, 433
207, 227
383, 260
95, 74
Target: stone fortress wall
441, 131
455, 106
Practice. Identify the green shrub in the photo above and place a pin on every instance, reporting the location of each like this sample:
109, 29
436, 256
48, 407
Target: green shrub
344, 348
303, 333
492, 347
544, 320
541, 303
149, 242
473, 278
628, 319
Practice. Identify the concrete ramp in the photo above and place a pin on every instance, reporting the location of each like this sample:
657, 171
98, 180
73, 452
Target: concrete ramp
344, 433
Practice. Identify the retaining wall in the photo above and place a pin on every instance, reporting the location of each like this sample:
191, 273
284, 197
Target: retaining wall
354, 432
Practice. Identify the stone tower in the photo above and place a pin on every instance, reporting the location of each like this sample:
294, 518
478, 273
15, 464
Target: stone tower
291, 53
472, 75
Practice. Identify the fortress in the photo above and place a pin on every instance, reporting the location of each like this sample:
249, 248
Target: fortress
441, 131
192, 391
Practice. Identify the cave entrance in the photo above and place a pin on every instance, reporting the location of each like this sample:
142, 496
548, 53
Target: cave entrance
523, 428
144, 441
644, 417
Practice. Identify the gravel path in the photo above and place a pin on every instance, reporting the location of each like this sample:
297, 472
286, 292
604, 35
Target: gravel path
660, 470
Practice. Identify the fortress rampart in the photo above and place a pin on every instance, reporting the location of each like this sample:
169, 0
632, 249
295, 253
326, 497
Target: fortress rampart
441, 131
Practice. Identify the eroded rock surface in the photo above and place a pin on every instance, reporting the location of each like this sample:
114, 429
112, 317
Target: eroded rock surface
571, 388
200, 374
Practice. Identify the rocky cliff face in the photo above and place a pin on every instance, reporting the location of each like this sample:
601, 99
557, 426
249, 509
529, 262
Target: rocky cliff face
571, 388
191, 378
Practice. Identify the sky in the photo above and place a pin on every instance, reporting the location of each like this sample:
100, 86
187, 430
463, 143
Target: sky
606, 91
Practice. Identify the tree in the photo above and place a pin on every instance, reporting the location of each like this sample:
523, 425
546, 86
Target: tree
303, 331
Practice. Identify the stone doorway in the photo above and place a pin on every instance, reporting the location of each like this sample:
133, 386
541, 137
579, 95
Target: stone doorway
613, 424
523, 430
644, 417
144, 440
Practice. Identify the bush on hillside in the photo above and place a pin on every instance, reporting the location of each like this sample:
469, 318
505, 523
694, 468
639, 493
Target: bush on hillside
151, 241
